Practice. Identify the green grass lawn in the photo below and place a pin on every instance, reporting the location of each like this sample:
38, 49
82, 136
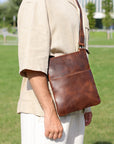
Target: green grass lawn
9, 92
101, 129
100, 38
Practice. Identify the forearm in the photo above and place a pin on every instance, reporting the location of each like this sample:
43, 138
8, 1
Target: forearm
38, 81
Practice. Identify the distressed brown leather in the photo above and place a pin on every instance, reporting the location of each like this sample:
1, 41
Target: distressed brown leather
72, 82
71, 79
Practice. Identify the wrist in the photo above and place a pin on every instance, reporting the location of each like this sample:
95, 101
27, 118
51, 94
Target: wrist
49, 109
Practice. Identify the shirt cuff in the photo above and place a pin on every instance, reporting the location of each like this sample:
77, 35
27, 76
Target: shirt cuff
86, 110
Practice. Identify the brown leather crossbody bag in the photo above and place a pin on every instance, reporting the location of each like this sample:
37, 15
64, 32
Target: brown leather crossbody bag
71, 79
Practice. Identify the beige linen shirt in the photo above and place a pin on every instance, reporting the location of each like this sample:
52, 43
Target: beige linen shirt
45, 27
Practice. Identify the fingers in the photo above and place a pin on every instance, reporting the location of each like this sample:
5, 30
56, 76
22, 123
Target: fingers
50, 136
53, 126
54, 134
88, 118
60, 135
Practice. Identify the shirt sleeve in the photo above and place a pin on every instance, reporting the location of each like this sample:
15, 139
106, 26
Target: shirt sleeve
86, 110
33, 36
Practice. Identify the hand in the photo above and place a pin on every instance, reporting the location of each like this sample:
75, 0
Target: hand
88, 118
53, 126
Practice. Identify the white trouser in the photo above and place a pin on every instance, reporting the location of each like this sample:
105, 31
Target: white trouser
32, 129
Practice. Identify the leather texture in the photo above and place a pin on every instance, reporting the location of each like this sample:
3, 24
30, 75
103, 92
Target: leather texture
71, 79
72, 82
81, 32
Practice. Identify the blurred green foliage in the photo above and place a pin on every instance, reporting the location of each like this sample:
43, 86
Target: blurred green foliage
8, 10
107, 5
91, 10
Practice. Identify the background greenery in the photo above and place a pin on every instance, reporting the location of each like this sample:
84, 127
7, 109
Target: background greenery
9, 9
102, 64
91, 8
9, 92
101, 129
100, 38
107, 6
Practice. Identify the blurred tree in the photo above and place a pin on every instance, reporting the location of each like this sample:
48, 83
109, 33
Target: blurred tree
8, 10
91, 10
107, 5
13, 6
3, 13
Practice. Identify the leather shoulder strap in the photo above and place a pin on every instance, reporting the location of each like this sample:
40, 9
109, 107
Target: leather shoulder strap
81, 31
